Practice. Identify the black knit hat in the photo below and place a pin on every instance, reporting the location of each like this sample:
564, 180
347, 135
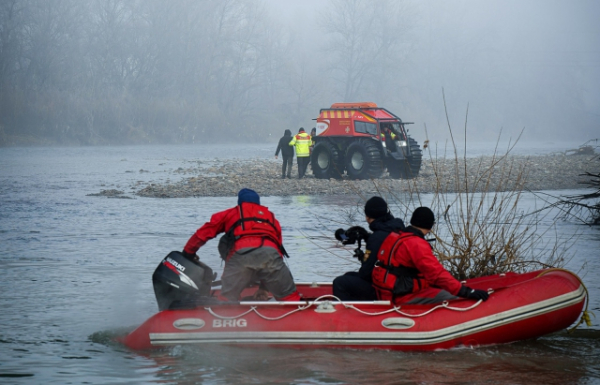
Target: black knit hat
423, 218
376, 207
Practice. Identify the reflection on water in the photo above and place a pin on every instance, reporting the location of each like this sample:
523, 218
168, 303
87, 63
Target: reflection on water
546, 361
77, 272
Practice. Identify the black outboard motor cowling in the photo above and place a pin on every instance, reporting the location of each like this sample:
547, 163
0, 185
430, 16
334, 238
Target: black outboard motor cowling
177, 281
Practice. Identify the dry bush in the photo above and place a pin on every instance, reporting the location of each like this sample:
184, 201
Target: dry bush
482, 229
482, 225
584, 208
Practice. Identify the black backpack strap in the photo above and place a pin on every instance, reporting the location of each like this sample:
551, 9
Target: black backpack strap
399, 271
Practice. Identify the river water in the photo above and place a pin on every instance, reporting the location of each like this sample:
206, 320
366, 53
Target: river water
77, 272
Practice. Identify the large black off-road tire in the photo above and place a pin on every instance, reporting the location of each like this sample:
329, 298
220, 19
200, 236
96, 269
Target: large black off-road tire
363, 160
326, 162
407, 168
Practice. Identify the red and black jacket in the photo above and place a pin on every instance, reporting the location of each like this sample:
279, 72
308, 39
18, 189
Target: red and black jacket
406, 264
390, 278
251, 225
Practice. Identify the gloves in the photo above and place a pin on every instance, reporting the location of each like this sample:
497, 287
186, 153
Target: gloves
359, 254
476, 294
192, 257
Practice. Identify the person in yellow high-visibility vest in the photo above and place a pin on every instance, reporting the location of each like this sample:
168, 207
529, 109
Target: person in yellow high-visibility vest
302, 141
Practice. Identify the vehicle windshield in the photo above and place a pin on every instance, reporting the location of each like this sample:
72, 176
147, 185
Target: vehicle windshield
397, 128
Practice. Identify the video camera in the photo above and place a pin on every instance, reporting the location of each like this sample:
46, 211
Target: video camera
351, 236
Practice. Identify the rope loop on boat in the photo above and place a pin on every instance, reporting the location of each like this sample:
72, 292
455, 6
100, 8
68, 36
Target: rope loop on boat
253, 309
352, 306
224, 317
367, 313
398, 310
320, 300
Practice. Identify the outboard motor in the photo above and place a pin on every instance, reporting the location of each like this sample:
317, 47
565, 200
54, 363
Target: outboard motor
179, 282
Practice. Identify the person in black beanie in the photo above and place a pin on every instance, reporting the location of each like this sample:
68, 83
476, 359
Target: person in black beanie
357, 286
423, 218
414, 264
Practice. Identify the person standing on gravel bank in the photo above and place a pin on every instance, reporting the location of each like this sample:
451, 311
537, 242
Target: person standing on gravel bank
302, 142
313, 134
287, 153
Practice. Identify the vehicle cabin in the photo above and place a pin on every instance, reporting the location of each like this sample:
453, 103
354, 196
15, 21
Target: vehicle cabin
359, 119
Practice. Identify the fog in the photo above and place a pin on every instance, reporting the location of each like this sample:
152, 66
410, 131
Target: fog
184, 71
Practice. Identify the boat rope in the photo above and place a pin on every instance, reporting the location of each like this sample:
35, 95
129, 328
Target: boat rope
253, 309
319, 300
347, 306
224, 317
585, 316
397, 309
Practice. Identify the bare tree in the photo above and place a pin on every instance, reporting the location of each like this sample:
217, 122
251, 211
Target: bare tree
11, 12
11, 46
365, 45
584, 207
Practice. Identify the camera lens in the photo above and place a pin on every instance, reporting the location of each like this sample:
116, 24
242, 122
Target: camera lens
340, 235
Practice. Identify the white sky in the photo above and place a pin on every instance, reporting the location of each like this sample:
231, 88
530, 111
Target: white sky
532, 64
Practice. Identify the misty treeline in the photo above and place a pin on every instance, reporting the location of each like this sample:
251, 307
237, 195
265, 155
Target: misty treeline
183, 71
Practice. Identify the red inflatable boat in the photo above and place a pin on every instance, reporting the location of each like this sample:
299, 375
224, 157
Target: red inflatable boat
520, 307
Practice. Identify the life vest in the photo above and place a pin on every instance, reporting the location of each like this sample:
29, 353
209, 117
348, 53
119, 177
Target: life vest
255, 221
302, 141
390, 278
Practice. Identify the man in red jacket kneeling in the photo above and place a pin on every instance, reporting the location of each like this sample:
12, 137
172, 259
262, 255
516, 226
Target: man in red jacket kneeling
255, 251
407, 271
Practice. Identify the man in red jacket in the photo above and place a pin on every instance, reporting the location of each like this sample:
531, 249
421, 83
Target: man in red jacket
407, 271
256, 250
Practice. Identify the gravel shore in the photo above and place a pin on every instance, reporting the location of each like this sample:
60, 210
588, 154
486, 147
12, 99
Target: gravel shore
227, 177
